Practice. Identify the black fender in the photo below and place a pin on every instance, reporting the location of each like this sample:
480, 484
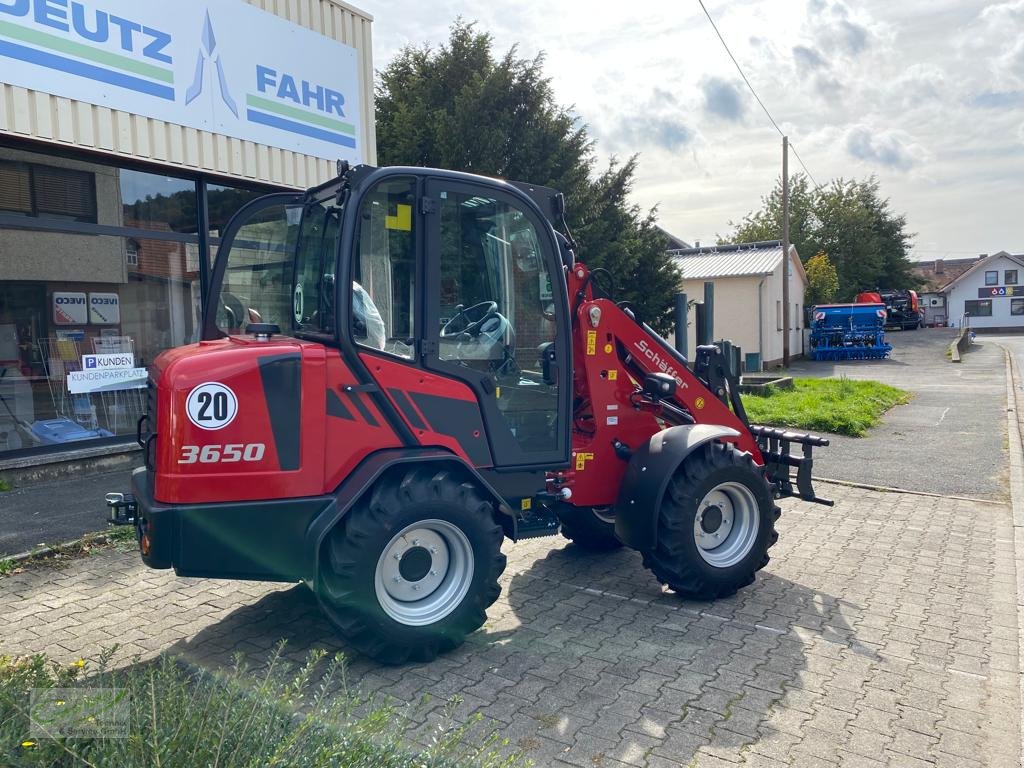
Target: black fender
650, 469
361, 480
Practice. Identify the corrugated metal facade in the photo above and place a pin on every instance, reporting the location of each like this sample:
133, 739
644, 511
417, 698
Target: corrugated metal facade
65, 122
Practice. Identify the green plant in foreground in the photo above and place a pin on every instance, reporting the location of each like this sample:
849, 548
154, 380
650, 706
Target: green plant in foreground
4, 485
280, 715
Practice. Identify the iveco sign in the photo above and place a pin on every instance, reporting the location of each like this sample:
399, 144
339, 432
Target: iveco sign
218, 65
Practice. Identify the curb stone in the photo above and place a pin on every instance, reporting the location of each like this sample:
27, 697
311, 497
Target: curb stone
1015, 430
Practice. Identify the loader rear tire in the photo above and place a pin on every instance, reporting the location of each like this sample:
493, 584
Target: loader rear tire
589, 528
413, 567
715, 524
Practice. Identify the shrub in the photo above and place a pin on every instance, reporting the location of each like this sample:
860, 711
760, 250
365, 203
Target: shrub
282, 715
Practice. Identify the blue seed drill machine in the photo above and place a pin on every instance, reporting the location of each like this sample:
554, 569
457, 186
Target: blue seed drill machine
848, 332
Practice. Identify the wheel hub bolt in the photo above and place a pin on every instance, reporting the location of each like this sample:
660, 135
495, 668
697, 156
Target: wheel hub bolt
416, 587
433, 572
398, 555
415, 542
396, 579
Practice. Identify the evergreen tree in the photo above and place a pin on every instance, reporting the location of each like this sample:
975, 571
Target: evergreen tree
459, 107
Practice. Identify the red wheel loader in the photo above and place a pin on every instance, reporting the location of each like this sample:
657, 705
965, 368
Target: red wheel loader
404, 366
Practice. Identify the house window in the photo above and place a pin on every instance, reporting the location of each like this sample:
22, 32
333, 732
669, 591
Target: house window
1010, 277
778, 315
1017, 307
131, 252
992, 277
44, 191
978, 308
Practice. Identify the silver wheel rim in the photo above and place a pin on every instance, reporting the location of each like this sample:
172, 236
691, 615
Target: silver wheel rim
726, 524
424, 572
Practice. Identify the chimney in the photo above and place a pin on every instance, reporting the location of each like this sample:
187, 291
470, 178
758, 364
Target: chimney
696, 243
939, 267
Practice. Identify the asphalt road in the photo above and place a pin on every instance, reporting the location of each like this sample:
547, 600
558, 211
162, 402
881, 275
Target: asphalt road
51, 513
950, 439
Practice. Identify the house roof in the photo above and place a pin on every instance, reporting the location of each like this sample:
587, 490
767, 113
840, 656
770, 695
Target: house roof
980, 264
938, 273
739, 260
674, 243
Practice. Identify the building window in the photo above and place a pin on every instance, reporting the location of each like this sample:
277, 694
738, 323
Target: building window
778, 315
978, 308
46, 191
992, 277
1017, 307
131, 252
1010, 277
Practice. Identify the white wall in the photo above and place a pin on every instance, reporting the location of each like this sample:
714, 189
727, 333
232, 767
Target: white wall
967, 290
736, 305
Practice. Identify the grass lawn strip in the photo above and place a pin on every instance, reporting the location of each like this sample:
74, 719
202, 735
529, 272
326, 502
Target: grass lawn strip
840, 406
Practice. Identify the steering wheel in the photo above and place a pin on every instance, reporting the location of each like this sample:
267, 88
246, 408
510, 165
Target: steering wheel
469, 320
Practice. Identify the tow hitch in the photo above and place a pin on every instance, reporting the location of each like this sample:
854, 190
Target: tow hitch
123, 508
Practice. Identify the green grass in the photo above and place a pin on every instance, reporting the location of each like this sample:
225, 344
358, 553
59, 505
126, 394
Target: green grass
282, 714
4, 485
840, 406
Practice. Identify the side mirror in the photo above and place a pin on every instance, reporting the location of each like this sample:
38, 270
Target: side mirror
659, 385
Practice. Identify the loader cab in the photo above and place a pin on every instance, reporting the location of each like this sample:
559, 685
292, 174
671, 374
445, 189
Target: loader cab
455, 276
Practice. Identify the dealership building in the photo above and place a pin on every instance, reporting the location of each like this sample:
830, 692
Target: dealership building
129, 134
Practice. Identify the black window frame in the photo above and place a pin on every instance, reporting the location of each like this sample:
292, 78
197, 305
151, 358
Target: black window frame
1018, 302
978, 304
1006, 277
994, 277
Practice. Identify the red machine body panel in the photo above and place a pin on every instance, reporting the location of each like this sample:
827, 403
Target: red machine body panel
413, 391
284, 436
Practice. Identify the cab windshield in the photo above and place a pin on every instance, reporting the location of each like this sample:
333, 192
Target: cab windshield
280, 268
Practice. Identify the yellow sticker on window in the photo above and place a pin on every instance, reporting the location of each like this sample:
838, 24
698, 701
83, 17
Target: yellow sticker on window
591, 342
402, 220
582, 459
525, 504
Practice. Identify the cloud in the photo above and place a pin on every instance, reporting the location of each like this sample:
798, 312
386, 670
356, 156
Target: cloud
998, 99
834, 28
657, 121
808, 58
722, 99
893, 149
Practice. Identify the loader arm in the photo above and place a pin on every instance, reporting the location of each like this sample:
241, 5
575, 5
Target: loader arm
613, 416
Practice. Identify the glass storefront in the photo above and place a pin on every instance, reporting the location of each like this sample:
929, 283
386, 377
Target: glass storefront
101, 269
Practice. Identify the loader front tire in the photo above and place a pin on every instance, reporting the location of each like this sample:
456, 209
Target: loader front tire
715, 524
413, 567
589, 528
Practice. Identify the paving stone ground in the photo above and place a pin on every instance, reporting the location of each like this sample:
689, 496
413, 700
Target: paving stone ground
883, 632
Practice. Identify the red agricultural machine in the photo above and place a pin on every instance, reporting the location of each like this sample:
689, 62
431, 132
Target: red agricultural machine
401, 368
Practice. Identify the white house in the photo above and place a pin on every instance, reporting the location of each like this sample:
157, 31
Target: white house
748, 295
990, 294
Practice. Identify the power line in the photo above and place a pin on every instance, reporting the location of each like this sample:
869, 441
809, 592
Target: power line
754, 92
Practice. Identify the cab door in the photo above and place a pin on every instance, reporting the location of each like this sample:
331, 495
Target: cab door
497, 317
253, 272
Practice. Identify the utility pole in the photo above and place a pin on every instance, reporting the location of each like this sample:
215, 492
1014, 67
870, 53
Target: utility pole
785, 251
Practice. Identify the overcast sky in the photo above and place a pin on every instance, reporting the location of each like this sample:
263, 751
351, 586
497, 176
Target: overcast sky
926, 94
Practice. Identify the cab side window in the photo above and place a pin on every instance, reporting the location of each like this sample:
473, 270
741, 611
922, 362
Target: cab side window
384, 269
